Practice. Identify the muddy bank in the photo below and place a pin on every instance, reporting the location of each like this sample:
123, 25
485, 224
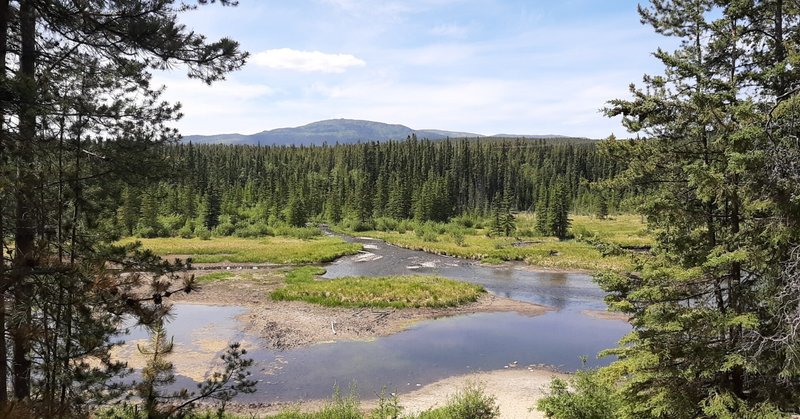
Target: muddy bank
291, 324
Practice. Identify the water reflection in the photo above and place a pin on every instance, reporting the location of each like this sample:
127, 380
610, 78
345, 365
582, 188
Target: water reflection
427, 352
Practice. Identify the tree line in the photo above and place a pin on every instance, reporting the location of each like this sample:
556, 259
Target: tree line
233, 189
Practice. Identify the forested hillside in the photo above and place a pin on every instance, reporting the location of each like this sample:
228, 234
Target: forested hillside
234, 189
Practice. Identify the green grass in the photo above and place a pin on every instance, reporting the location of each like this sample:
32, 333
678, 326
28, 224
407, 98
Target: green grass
282, 250
303, 274
626, 230
388, 291
214, 276
545, 252
471, 402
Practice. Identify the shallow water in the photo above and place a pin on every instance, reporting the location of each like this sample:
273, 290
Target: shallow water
571, 291
430, 350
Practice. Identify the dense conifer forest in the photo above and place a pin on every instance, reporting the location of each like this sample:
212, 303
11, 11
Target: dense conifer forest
228, 190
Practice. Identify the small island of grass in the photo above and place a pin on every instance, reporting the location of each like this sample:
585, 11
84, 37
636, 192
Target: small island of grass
387, 291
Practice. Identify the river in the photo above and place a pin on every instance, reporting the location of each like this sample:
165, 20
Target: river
430, 350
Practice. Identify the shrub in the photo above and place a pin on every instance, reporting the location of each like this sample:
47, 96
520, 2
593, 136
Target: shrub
405, 225
419, 231
203, 233
430, 236
187, 231
586, 395
171, 222
358, 225
464, 221
458, 238
385, 224
340, 407
471, 402
225, 229
150, 231
254, 230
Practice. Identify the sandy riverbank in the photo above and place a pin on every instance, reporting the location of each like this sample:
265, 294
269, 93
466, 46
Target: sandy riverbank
516, 391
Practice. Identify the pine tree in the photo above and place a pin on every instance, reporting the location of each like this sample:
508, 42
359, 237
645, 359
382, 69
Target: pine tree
708, 340
80, 70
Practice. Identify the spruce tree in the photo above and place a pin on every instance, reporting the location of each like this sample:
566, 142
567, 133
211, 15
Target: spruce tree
211, 209
542, 210
711, 334
558, 212
296, 211
128, 213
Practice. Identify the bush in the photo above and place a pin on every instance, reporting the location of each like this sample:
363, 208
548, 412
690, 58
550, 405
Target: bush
202, 233
187, 231
151, 231
254, 230
471, 403
388, 406
340, 407
357, 225
430, 236
464, 221
385, 224
405, 225
224, 229
585, 395
171, 222
458, 238
419, 231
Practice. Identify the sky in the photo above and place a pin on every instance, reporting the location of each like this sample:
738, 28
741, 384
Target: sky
479, 66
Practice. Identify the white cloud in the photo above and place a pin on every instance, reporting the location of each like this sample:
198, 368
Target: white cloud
305, 61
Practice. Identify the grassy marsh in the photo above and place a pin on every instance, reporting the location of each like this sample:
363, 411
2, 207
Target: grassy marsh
473, 242
280, 250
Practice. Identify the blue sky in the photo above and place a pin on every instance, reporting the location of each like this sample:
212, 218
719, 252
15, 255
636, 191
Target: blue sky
488, 67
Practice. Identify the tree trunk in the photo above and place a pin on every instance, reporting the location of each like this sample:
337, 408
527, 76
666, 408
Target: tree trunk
4, 16
24, 257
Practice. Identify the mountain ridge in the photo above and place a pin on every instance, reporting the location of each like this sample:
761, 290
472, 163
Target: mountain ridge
342, 131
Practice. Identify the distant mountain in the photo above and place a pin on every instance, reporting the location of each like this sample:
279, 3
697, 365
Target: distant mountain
340, 131
531, 137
